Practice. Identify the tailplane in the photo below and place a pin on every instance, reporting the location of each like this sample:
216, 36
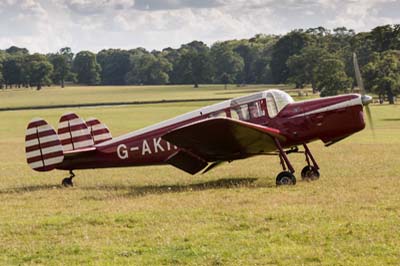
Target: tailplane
99, 131
74, 133
42, 146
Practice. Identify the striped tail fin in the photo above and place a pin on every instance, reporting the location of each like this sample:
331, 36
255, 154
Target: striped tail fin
42, 146
99, 131
74, 133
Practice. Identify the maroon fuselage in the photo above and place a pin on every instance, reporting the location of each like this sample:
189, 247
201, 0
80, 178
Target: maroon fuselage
328, 119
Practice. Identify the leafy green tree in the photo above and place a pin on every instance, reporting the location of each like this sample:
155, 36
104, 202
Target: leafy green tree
382, 74
115, 64
194, 64
262, 64
62, 66
331, 77
304, 67
2, 58
40, 70
148, 69
226, 61
288, 45
86, 68
17, 50
13, 70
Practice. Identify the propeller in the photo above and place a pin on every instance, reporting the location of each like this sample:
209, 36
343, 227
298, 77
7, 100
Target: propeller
365, 99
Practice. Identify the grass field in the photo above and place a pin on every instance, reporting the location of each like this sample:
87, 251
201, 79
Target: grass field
100, 94
233, 215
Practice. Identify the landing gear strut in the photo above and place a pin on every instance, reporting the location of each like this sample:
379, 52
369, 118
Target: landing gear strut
310, 172
285, 177
67, 182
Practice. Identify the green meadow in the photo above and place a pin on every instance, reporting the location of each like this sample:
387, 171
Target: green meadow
233, 215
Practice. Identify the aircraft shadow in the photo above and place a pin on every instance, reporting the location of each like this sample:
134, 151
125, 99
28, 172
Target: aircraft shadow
138, 191
24, 189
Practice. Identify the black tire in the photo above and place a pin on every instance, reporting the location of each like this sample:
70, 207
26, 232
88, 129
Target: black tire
310, 173
285, 178
67, 182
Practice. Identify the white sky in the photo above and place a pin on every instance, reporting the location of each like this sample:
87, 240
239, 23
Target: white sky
48, 25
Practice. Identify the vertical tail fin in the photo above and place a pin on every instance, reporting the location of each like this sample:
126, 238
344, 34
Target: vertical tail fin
42, 146
74, 133
99, 131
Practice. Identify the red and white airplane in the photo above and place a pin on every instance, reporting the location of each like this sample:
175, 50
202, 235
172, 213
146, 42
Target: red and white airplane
267, 122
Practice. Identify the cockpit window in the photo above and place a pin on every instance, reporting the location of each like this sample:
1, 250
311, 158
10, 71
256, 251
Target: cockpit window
240, 112
255, 110
276, 101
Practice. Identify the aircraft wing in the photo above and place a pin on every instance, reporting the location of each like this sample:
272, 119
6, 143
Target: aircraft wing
224, 139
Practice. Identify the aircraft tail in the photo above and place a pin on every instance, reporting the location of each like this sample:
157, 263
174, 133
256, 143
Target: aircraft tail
74, 134
98, 130
42, 146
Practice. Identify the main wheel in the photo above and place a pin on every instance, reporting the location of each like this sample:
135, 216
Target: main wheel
285, 178
67, 182
309, 173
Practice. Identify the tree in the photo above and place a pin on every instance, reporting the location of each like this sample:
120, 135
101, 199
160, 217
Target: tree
249, 51
225, 60
382, 74
148, 69
12, 70
2, 58
288, 45
303, 67
86, 68
194, 64
40, 70
62, 66
331, 77
115, 63
17, 50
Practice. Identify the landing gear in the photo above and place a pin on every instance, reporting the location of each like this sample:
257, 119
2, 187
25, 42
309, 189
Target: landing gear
285, 177
310, 172
67, 182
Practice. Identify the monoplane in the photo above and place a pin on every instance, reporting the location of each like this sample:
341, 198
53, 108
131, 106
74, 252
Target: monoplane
269, 122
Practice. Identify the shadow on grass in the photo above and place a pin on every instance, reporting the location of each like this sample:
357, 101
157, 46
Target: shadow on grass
25, 189
137, 191
391, 119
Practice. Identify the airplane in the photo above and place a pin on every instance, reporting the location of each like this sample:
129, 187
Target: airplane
269, 122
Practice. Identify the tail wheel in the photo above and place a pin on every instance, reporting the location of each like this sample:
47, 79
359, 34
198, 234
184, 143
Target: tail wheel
310, 173
285, 178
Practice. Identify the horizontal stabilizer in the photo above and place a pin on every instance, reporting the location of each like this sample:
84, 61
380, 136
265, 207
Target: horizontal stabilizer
98, 130
42, 146
74, 133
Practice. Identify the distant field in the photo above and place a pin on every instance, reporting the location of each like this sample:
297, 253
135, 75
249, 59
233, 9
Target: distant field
101, 94
233, 215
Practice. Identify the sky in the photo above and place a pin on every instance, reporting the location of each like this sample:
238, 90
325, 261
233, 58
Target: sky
47, 25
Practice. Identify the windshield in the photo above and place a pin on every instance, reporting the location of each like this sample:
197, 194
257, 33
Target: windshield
276, 101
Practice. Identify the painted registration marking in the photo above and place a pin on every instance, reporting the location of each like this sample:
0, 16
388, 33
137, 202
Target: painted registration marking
147, 147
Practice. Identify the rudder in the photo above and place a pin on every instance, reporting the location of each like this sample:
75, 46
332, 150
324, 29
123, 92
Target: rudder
42, 146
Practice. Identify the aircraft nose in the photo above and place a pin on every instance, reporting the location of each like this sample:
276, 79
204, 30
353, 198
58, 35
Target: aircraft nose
366, 99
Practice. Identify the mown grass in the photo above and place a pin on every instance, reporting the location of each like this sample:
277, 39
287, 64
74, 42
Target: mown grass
104, 94
233, 215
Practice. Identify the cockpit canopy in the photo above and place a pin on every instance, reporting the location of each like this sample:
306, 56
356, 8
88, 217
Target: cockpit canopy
276, 101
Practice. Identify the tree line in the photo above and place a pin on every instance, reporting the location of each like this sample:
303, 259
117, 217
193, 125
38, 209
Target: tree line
316, 56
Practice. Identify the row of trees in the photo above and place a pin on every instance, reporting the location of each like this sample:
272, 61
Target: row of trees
316, 56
